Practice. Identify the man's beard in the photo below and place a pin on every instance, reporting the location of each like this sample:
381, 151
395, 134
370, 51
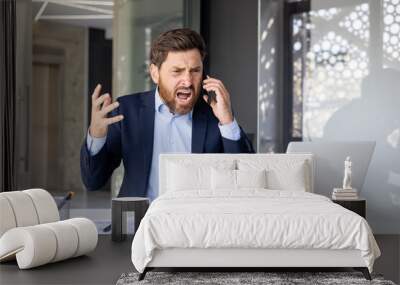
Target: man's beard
169, 99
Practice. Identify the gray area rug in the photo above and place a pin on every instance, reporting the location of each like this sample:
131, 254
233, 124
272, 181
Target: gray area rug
225, 278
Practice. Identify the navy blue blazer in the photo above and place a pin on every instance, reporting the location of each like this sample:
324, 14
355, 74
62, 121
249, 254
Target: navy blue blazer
131, 140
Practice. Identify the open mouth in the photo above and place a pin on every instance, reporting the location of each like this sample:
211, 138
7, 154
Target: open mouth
184, 94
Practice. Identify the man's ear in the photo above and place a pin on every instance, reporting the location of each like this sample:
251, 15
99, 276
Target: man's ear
154, 73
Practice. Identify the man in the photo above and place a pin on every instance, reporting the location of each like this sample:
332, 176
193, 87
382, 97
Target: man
171, 118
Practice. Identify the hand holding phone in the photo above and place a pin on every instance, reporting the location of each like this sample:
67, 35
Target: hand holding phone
211, 96
221, 107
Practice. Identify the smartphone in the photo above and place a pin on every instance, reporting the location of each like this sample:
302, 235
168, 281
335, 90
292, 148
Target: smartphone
211, 96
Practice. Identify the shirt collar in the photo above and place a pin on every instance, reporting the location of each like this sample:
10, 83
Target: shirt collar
160, 105
159, 102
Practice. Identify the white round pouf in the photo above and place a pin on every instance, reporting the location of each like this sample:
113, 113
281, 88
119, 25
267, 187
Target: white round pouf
7, 218
33, 246
45, 205
30, 230
67, 240
87, 234
23, 208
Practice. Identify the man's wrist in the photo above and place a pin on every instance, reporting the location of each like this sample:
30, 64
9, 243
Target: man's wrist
226, 120
94, 144
230, 131
97, 134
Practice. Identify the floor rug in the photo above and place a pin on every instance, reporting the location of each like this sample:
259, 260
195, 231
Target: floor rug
273, 278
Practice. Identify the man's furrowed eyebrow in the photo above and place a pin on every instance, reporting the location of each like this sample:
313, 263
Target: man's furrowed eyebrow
183, 68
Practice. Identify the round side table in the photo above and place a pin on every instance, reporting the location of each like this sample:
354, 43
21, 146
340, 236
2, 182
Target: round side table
119, 206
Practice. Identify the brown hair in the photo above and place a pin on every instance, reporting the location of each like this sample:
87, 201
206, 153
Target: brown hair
175, 40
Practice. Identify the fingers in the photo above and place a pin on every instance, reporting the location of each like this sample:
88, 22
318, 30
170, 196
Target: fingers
211, 84
113, 120
100, 100
107, 101
212, 103
210, 80
109, 107
216, 86
220, 93
96, 92
221, 107
97, 100
102, 105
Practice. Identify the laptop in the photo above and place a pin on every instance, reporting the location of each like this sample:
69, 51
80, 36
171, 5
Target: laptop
329, 159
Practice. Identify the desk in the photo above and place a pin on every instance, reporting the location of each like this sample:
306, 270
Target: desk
104, 265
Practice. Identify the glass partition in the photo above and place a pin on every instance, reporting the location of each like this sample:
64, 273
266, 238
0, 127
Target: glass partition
345, 86
330, 70
136, 24
268, 71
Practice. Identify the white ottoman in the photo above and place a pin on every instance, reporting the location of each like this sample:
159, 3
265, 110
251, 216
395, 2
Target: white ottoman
31, 232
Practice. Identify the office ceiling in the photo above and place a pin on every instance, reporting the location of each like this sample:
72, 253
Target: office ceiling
88, 13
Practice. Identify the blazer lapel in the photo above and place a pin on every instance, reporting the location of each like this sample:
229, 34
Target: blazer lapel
146, 118
199, 128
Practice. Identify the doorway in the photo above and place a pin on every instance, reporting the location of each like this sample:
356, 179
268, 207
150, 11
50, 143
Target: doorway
46, 123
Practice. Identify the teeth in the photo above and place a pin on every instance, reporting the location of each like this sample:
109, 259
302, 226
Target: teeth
183, 95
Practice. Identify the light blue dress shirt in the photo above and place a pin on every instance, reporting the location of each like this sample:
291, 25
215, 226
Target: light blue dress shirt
172, 134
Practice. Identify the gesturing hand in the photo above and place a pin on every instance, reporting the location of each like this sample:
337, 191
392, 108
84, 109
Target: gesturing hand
99, 121
222, 106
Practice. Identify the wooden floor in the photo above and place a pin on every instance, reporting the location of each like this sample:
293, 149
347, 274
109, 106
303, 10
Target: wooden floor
110, 260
